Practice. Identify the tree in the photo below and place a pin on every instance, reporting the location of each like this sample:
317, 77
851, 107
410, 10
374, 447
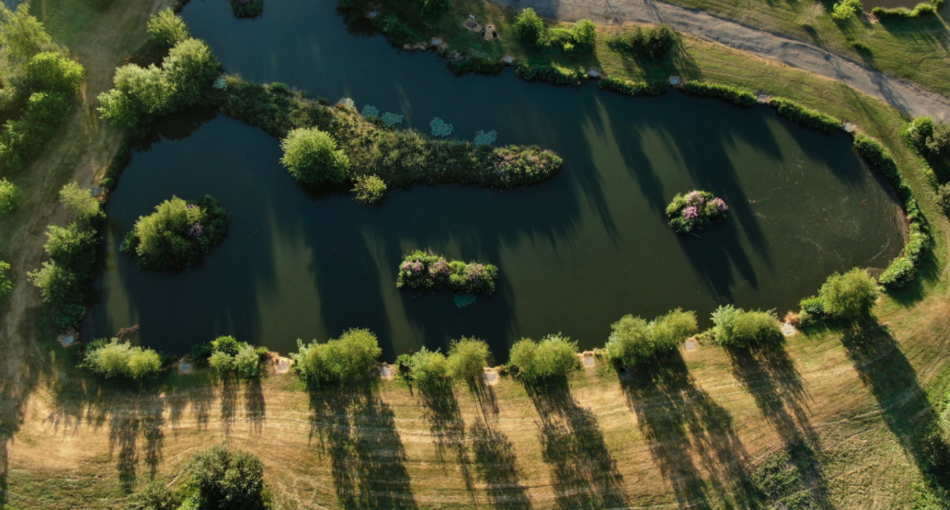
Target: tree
529, 27
429, 368
71, 247
740, 328
849, 296
552, 358
144, 363
585, 32
22, 35
57, 284
121, 359
312, 157
667, 331
155, 496
337, 361
54, 72
634, 340
6, 283
221, 362
247, 361
10, 197
228, 479
81, 201
177, 234
190, 69
166, 29
467, 359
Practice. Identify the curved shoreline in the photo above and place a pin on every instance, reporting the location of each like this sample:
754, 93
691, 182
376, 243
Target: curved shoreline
903, 95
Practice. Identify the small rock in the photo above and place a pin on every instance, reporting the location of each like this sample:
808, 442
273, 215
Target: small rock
788, 329
436, 41
675, 81
690, 345
593, 73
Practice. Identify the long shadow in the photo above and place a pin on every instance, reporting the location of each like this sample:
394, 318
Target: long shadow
681, 423
885, 370
131, 418
584, 473
447, 427
769, 374
255, 406
356, 428
227, 392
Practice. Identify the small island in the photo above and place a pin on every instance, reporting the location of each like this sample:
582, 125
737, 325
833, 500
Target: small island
694, 210
424, 270
178, 234
247, 8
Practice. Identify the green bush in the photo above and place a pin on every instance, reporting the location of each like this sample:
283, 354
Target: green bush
530, 28
10, 197
190, 68
155, 496
552, 74
467, 359
585, 32
634, 88
166, 29
81, 201
337, 361
312, 157
247, 8
932, 139
634, 340
228, 479
943, 196
6, 283
72, 247
397, 31
804, 116
178, 234
247, 361
814, 306
735, 327
734, 95
432, 10
54, 72
221, 362
226, 354
554, 357
844, 9
22, 35
695, 210
23, 139
122, 359
61, 288
653, 43
922, 9
476, 65
420, 270
369, 189
849, 296
429, 369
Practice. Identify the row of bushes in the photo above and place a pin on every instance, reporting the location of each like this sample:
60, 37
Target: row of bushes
634, 88
476, 65
465, 362
117, 359
807, 117
921, 9
531, 30
425, 270
226, 355
399, 157
553, 73
734, 95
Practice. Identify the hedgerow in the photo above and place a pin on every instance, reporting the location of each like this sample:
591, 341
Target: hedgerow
634, 88
476, 65
734, 95
805, 116
554, 74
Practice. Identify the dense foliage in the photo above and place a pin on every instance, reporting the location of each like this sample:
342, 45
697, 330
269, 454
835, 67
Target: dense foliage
428, 369
553, 358
806, 117
734, 95
552, 73
529, 27
476, 65
178, 234
227, 479
920, 10
154, 496
62, 279
421, 270
849, 296
369, 189
10, 197
226, 355
931, 139
735, 327
585, 32
694, 210
313, 158
467, 359
844, 9
652, 43
337, 361
116, 359
6, 283
634, 88
634, 340
247, 8
432, 10
397, 156
81, 201
166, 29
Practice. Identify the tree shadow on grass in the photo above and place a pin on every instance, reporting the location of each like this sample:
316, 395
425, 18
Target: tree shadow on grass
447, 426
357, 430
229, 401
885, 370
584, 473
138, 415
255, 406
770, 376
681, 422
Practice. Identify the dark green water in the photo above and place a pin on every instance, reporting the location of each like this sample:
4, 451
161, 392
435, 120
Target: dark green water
575, 253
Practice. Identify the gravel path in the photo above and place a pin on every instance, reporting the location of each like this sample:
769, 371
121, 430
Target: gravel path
901, 94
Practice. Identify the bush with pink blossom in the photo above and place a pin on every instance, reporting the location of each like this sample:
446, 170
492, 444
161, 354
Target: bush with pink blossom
695, 209
425, 270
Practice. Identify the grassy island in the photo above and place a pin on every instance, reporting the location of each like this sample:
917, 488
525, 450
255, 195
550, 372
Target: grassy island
420, 270
177, 234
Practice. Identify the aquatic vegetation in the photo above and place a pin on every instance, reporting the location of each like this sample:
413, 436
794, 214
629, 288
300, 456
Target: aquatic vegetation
440, 128
220, 84
370, 111
369, 189
247, 8
425, 270
178, 234
694, 210
464, 300
391, 119
483, 138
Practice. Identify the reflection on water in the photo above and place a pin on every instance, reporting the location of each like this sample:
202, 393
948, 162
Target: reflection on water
575, 253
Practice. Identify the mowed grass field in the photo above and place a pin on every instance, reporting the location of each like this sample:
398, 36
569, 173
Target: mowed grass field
833, 419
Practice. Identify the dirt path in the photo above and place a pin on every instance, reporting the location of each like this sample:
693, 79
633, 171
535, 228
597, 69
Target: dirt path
901, 94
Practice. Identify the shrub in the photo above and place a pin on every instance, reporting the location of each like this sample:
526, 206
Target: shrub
440, 128
476, 65
221, 362
813, 306
432, 10
844, 9
155, 496
420, 270
633, 340
247, 8
81, 201
226, 354
467, 359
552, 74
247, 361
694, 210
369, 189
166, 29
23, 139
651, 43
54, 72
177, 234
552, 358
943, 196
634, 88
396, 30
804, 116
6, 283
10, 197
585, 32
735, 327
922, 9
849, 296
529, 27
22, 35
734, 95
931, 138
228, 479
62, 289
72, 247
190, 68
429, 368
337, 361
122, 359
312, 157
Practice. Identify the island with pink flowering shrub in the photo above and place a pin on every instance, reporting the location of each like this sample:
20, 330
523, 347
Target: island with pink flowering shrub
422, 270
694, 210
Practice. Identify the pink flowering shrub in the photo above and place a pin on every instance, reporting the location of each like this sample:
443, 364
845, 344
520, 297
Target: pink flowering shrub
695, 209
425, 270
